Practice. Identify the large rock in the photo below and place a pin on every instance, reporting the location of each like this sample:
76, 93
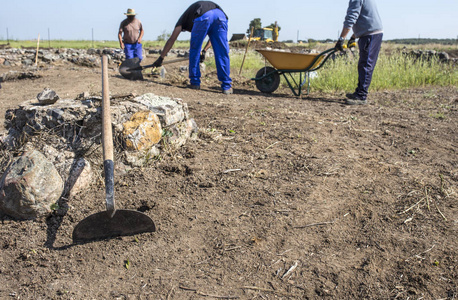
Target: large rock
29, 187
80, 177
170, 111
142, 131
77, 173
47, 96
178, 134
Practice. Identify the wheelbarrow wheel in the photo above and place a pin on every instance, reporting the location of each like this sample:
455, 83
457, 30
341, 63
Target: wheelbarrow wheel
268, 84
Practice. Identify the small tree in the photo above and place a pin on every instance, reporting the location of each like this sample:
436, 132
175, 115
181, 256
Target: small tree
255, 23
164, 36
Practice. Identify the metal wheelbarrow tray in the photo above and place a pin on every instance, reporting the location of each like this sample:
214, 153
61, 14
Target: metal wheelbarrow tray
287, 63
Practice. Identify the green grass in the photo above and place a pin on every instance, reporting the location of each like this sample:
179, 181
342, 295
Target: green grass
253, 62
392, 72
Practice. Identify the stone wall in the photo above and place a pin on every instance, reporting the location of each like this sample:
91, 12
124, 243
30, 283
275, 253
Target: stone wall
77, 123
82, 57
429, 55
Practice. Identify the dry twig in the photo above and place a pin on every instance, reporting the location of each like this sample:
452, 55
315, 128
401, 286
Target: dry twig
290, 270
271, 291
207, 295
427, 198
424, 252
169, 295
315, 224
412, 206
272, 145
233, 248
231, 170
284, 252
440, 211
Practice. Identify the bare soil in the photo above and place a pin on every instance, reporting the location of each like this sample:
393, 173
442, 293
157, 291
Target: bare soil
279, 198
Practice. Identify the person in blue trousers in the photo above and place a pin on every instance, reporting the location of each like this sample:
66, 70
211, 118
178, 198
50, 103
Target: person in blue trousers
363, 17
130, 35
201, 19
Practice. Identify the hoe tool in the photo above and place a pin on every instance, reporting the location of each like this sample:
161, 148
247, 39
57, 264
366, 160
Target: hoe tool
131, 69
112, 222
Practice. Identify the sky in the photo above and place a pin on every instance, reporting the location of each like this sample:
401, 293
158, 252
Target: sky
303, 19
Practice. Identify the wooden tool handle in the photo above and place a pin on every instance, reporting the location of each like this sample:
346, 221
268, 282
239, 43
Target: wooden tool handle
107, 141
246, 50
164, 63
107, 134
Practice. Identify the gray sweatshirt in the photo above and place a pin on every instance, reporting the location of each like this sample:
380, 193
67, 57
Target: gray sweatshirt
363, 17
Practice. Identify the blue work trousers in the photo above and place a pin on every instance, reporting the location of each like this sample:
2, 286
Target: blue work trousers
214, 24
369, 48
133, 50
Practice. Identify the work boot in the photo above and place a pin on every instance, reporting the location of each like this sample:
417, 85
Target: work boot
355, 99
228, 92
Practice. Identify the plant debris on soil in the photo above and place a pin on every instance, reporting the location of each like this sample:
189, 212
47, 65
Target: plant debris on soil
279, 198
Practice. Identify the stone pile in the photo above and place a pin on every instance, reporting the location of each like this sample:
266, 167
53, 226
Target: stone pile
177, 52
15, 75
431, 55
66, 137
81, 57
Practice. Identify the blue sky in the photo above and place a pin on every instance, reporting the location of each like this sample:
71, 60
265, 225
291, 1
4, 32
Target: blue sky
319, 19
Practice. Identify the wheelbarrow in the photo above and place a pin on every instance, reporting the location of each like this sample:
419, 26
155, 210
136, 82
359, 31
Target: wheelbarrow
286, 64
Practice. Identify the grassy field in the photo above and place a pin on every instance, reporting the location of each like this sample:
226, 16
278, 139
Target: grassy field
393, 70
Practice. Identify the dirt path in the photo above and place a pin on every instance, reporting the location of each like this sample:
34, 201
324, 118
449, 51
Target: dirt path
279, 198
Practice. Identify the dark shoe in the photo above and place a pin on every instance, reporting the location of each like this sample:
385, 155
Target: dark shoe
355, 102
355, 99
194, 87
228, 92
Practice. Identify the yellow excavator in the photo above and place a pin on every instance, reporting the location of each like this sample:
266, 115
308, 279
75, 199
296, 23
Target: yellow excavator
260, 34
263, 34
266, 34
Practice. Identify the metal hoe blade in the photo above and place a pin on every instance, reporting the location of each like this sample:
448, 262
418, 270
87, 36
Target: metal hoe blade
102, 226
131, 69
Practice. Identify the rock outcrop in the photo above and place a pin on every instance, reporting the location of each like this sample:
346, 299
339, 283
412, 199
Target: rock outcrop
30, 187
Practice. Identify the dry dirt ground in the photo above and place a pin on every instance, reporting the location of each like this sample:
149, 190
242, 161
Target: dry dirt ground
279, 198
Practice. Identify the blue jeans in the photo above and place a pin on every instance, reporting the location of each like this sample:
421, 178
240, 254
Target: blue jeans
214, 24
369, 48
133, 50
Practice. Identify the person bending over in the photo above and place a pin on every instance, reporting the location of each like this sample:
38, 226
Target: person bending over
201, 19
